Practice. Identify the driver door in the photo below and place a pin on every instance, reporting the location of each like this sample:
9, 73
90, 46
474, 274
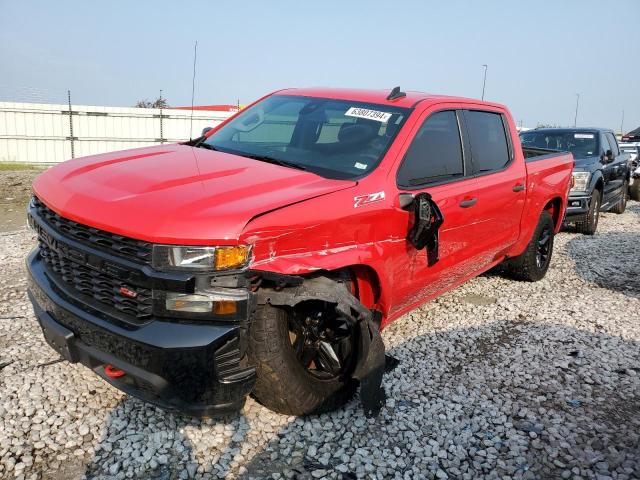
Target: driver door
436, 163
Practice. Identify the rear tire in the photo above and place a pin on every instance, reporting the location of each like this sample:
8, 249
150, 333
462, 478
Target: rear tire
283, 384
533, 263
622, 204
589, 225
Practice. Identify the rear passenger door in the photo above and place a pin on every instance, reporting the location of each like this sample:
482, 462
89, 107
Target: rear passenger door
435, 162
501, 182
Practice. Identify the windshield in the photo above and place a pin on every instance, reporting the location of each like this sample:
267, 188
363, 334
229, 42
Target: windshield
581, 144
334, 138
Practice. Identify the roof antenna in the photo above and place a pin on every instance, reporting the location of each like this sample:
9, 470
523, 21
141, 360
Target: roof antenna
396, 93
193, 89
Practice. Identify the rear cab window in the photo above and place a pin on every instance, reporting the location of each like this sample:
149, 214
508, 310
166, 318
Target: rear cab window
489, 141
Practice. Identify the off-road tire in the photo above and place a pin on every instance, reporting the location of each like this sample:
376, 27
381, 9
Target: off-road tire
525, 266
622, 204
282, 383
634, 190
589, 225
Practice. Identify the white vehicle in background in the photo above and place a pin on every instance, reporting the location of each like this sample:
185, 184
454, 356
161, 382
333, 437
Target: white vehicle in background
633, 148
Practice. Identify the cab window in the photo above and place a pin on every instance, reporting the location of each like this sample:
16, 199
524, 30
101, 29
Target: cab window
489, 145
435, 153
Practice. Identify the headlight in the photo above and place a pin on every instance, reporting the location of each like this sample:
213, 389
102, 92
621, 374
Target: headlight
201, 259
580, 181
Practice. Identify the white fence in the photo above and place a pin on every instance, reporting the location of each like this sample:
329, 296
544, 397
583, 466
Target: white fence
48, 133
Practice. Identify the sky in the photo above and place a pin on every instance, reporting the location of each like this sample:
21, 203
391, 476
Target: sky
540, 54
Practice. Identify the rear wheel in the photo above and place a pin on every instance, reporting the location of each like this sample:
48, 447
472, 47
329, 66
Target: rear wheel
589, 225
304, 358
622, 204
533, 263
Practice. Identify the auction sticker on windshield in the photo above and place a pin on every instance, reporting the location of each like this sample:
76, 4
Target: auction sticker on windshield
357, 112
583, 135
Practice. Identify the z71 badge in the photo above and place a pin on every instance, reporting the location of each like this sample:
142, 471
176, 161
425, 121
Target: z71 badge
362, 200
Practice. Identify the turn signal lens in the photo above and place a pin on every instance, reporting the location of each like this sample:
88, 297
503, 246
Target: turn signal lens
225, 307
231, 257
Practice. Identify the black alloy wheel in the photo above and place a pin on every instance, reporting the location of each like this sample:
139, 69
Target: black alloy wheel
322, 340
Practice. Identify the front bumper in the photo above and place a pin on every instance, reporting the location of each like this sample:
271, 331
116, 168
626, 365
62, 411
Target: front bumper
577, 207
190, 367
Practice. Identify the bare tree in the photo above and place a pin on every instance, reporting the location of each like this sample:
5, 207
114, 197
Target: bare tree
158, 103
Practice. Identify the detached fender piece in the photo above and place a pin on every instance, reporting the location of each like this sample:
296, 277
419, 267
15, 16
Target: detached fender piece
370, 365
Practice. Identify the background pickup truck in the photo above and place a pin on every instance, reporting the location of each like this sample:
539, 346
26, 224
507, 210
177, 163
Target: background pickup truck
267, 255
600, 177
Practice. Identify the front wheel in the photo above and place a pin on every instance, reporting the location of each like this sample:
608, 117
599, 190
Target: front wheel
304, 358
589, 225
533, 263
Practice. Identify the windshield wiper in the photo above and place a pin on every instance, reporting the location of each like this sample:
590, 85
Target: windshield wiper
205, 145
275, 161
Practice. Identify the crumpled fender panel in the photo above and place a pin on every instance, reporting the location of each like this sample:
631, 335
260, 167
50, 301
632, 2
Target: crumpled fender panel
370, 365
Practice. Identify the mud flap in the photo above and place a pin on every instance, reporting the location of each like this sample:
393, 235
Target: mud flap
370, 366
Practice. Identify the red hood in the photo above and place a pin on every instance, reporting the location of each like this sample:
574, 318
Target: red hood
174, 193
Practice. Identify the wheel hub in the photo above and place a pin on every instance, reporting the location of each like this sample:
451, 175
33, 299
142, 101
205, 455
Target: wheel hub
322, 342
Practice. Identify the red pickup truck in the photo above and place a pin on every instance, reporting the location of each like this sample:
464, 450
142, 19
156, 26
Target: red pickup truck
266, 256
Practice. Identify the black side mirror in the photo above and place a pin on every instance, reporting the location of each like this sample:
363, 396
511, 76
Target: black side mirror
610, 156
205, 130
426, 222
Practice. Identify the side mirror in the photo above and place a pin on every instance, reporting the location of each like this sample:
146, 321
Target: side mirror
205, 130
427, 219
606, 157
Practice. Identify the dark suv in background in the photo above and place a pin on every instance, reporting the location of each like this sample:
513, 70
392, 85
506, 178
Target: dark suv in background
600, 175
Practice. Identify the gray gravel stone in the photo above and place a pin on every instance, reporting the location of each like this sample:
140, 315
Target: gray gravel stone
496, 379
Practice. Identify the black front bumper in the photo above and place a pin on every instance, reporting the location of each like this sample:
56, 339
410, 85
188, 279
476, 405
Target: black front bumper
194, 368
577, 207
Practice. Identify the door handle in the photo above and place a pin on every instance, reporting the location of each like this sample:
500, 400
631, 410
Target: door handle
518, 187
468, 203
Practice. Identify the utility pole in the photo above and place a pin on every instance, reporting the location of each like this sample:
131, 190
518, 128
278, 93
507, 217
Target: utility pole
193, 87
575, 118
484, 82
161, 135
622, 124
73, 153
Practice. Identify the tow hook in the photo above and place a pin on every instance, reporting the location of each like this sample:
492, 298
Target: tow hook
112, 372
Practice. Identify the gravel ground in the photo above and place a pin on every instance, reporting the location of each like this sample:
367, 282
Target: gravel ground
15, 190
497, 379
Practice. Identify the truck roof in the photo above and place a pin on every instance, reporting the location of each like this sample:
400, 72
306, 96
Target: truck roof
379, 96
571, 129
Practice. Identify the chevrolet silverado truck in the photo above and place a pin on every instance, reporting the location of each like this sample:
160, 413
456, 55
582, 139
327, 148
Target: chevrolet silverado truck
266, 256
601, 175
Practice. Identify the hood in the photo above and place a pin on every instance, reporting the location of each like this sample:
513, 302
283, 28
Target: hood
587, 164
175, 194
